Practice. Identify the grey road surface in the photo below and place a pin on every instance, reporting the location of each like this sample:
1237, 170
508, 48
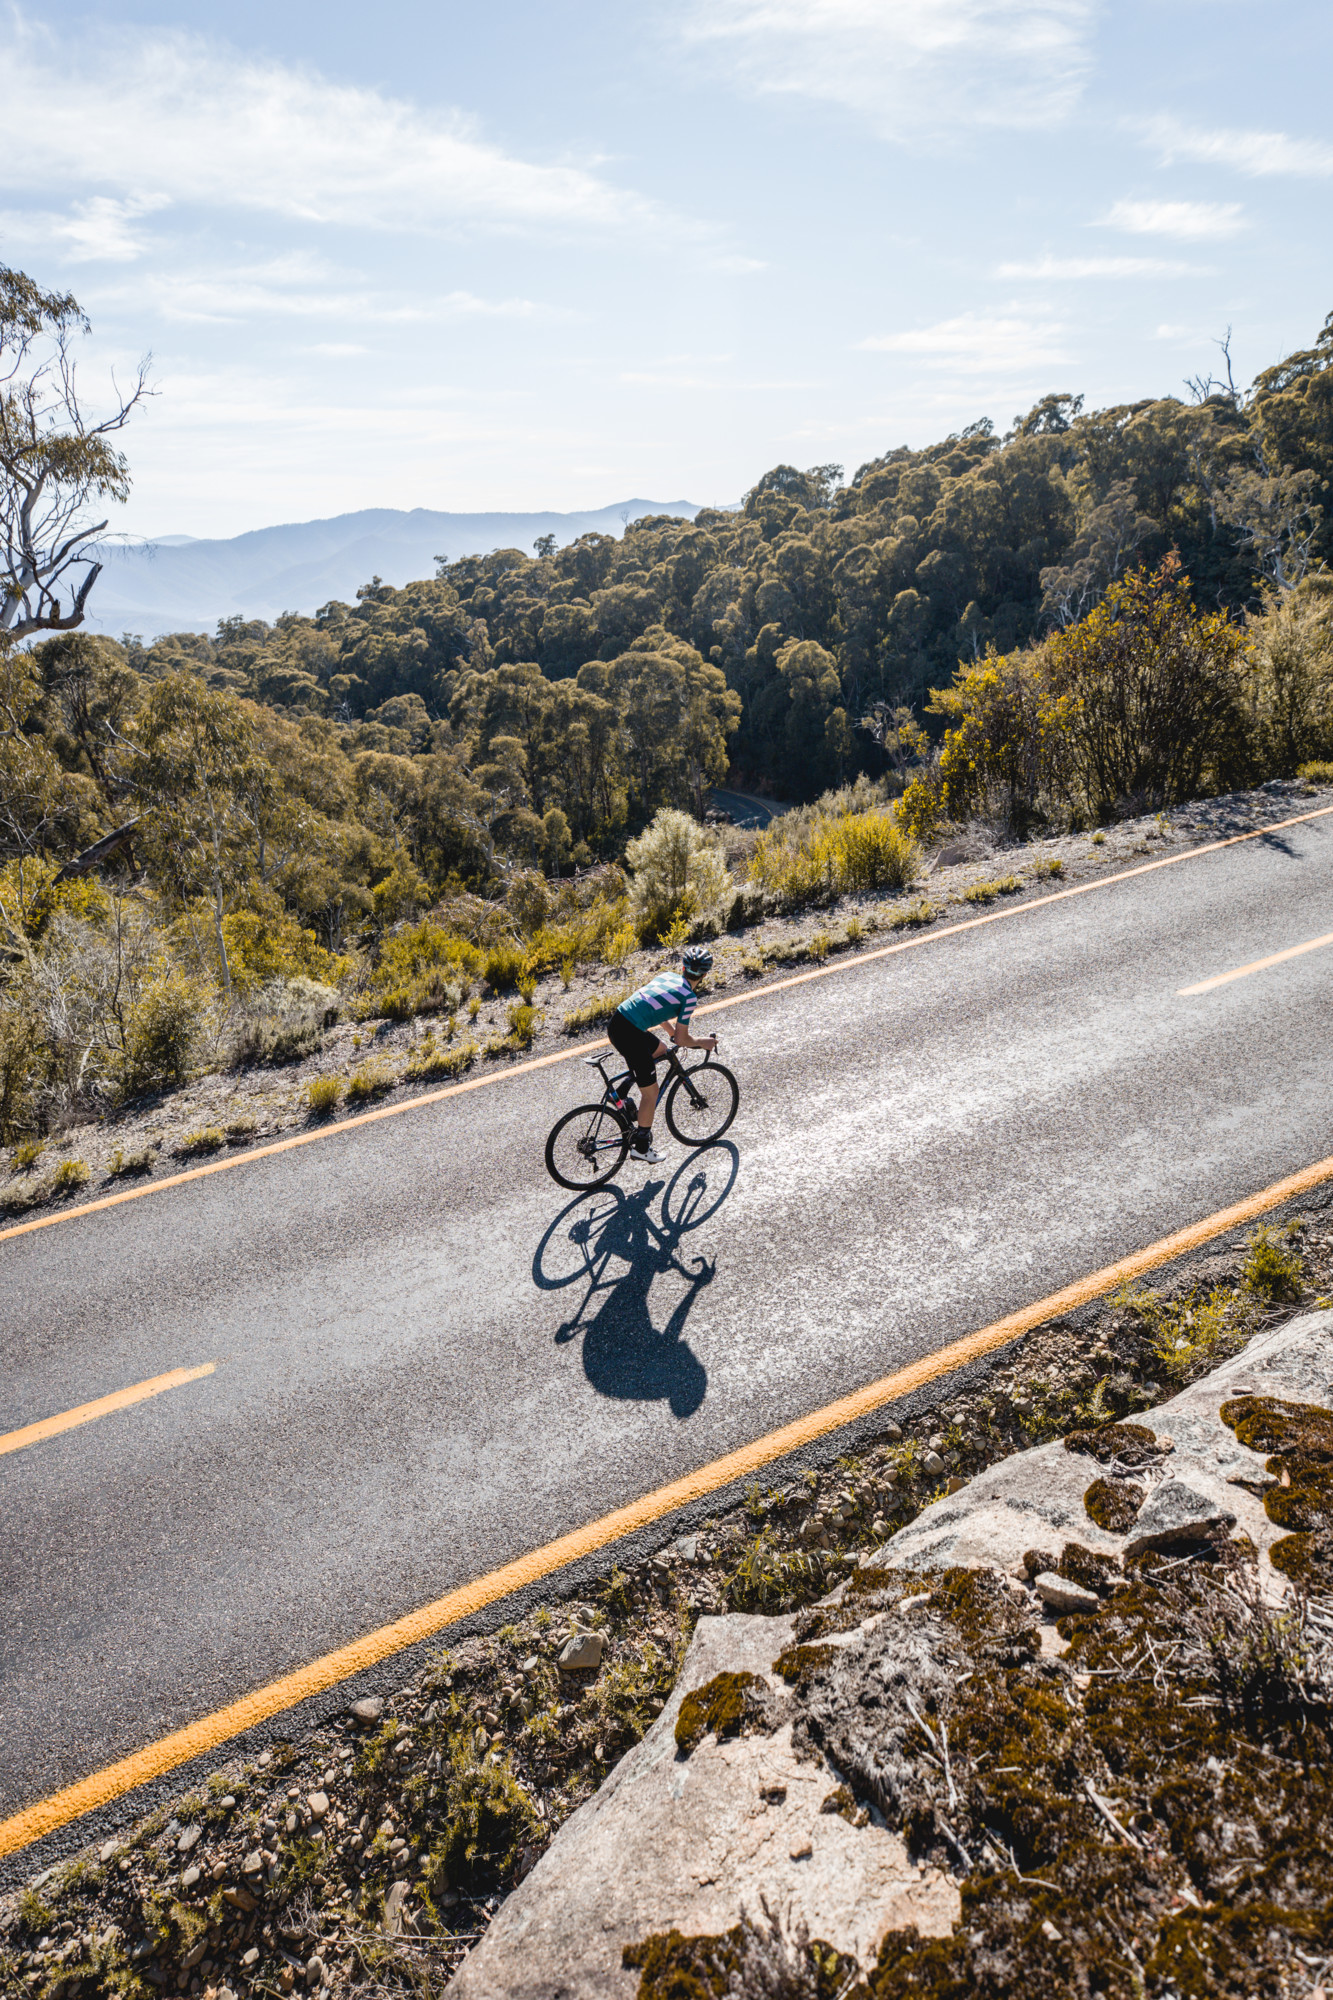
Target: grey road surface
431, 1360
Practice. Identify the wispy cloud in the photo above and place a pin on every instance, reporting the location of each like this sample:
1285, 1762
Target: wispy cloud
1248, 152
973, 344
101, 230
1102, 267
1192, 221
905, 64
300, 286
139, 115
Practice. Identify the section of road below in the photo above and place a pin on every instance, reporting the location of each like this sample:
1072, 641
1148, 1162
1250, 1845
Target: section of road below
435, 1362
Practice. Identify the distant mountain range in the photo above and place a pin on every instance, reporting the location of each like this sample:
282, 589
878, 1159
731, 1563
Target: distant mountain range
179, 585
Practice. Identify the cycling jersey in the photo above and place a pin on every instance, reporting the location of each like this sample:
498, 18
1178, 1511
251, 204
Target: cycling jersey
668, 997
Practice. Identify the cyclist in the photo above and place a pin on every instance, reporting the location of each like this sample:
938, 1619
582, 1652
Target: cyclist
633, 1031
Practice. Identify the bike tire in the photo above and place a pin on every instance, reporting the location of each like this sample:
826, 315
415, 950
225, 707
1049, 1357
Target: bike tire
587, 1147
694, 1124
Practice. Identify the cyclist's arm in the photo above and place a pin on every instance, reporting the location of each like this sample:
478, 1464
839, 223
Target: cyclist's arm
683, 1039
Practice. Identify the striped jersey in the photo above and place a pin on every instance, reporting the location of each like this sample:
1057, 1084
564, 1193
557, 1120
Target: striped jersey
669, 997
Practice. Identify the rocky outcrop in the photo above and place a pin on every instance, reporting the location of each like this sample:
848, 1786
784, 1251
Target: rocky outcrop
688, 1834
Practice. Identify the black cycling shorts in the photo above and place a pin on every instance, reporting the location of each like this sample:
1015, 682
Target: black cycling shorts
639, 1048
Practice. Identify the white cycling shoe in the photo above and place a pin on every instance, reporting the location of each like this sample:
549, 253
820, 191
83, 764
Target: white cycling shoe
649, 1155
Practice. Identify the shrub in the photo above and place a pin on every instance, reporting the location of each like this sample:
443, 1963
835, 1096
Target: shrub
422, 969
986, 892
322, 1095
240, 1130
1272, 1270
69, 1176
679, 873
262, 947
811, 857
854, 930
283, 1021
593, 1012
504, 967
18, 1071
1318, 773
912, 915
130, 1163
523, 1020
27, 1154
1048, 870
210, 1139
162, 1035
369, 1081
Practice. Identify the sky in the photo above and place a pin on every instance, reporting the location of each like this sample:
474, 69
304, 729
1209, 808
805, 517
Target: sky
531, 256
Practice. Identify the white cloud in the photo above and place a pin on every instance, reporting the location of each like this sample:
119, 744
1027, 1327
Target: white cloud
299, 286
146, 115
908, 63
95, 231
1192, 221
1254, 153
1101, 267
973, 344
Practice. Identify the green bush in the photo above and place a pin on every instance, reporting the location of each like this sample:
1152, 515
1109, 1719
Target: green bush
913, 915
162, 1036
422, 969
432, 1064
1318, 773
504, 967
322, 1095
27, 1154
1272, 1270
593, 1012
69, 1176
814, 857
283, 1021
130, 1163
679, 875
523, 1020
18, 1072
369, 1081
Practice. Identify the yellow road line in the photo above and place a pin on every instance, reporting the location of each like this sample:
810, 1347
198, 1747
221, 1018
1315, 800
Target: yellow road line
197, 1738
1258, 965
710, 1007
88, 1413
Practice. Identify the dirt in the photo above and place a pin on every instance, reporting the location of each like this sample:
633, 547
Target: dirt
224, 1112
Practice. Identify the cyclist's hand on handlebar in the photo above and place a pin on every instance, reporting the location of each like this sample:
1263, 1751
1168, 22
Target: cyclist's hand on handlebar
711, 1044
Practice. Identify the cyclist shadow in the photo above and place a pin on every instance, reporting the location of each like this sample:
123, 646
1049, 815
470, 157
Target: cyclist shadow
615, 1246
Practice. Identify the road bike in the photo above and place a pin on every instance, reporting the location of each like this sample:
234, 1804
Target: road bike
589, 1145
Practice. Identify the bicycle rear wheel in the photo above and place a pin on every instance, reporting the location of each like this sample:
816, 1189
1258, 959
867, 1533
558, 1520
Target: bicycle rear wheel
701, 1104
587, 1146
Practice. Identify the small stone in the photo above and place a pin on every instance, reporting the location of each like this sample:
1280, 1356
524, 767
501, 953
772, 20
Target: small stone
265, 1760
189, 1839
250, 1957
252, 1863
1174, 1512
226, 1993
530, 1665
802, 1851
314, 1971
318, 1803
190, 1877
933, 1463
292, 1822
228, 1802
369, 1709
687, 1548
108, 1850
936, 1443
893, 1432
240, 1899
393, 1909
581, 1652
1062, 1595
1048, 1930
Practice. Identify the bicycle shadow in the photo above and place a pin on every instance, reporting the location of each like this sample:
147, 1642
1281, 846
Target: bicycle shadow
616, 1246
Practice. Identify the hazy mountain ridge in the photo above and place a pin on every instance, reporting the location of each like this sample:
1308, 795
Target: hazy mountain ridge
186, 586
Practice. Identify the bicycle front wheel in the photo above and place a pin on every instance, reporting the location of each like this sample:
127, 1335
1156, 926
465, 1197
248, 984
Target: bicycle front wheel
587, 1147
701, 1104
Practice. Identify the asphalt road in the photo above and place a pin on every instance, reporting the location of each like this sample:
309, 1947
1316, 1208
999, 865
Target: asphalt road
431, 1360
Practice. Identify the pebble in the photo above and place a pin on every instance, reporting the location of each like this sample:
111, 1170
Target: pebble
1062, 1595
108, 1850
188, 1839
252, 1863
802, 1851
318, 1803
932, 1462
393, 1908
250, 1957
583, 1651
190, 1877
369, 1709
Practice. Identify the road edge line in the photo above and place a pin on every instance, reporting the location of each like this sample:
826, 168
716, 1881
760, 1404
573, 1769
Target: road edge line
101, 1406
342, 1125
48, 1815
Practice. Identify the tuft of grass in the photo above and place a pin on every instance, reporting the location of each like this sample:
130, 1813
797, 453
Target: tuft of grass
619, 946
1318, 773
593, 1012
986, 892
1049, 870
434, 1063
322, 1095
70, 1175
473, 1008
28, 1154
1099, 840
130, 1163
241, 1130
523, 1022
1191, 1334
369, 1081
566, 973
1272, 1270
855, 930
818, 947
767, 1574
912, 915
208, 1139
